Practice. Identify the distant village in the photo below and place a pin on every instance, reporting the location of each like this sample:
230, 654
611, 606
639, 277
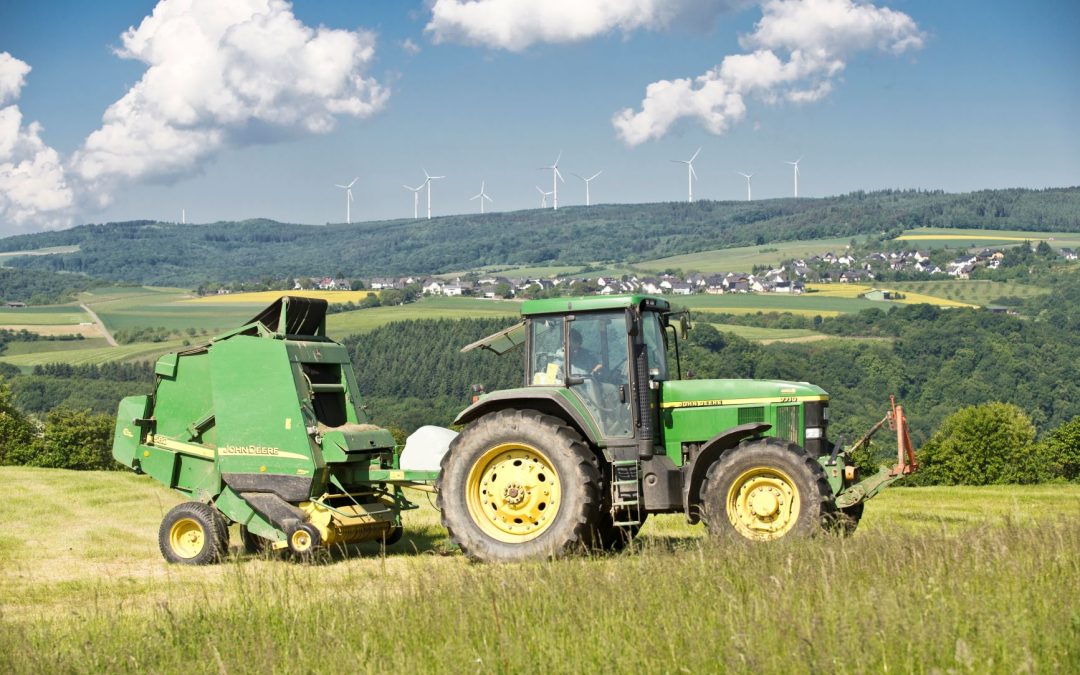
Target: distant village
790, 277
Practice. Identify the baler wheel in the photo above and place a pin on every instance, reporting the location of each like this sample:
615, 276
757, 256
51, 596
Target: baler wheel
393, 536
766, 490
193, 533
519, 485
304, 539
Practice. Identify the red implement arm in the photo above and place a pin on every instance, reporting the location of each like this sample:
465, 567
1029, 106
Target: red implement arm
905, 453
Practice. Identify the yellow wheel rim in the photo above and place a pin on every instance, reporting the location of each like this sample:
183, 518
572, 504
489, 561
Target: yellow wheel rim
187, 538
301, 541
513, 493
763, 504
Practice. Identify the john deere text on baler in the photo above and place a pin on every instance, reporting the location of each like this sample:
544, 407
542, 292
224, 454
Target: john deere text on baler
263, 427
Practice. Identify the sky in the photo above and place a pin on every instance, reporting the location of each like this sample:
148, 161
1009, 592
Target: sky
236, 109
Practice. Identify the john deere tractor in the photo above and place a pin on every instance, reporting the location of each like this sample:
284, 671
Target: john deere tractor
605, 431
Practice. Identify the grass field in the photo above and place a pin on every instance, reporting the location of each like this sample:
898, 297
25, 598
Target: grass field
54, 315
766, 334
743, 258
266, 297
960, 238
979, 292
38, 251
856, 290
951, 579
91, 355
807, 304
364, 320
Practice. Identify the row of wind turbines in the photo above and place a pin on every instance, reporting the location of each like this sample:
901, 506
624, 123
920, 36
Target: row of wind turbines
556, 176
691, 175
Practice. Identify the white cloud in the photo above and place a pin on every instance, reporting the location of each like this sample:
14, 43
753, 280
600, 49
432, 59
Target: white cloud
798, 48
515, 25
224, 73
33, 189
410, 47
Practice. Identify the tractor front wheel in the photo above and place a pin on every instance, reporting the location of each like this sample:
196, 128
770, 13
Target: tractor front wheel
519, 485
766, 490
193, 533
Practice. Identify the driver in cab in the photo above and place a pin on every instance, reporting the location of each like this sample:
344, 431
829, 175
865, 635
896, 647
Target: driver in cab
582, 360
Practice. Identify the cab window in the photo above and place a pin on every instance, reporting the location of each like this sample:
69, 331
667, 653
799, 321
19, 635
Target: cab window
547, 355
653, 333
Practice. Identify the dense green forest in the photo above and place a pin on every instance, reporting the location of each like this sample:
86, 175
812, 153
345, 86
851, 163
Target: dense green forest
42, 287
187, 255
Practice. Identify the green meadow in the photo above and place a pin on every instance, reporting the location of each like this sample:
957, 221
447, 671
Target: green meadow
934, 580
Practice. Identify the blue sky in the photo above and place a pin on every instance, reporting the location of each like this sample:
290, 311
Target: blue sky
959, 95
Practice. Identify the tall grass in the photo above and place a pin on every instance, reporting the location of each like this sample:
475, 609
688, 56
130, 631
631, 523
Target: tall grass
962, 592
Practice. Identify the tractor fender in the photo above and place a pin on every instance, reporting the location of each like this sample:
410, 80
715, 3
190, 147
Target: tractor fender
711, 451
542, 400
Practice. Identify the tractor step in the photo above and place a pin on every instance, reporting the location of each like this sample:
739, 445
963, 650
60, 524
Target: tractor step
626, 492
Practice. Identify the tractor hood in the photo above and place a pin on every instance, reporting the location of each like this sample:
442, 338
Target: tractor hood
699, 393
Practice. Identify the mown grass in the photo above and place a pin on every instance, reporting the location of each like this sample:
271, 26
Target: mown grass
958, 579
48, 316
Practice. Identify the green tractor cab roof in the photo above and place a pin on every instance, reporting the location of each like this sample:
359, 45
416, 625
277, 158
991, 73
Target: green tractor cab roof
593, 303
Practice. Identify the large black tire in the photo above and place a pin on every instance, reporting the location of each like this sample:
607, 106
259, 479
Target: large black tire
193, 533
609, 537
747, 475
576, 472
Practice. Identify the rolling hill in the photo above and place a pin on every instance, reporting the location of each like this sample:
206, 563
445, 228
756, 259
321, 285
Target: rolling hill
147, 252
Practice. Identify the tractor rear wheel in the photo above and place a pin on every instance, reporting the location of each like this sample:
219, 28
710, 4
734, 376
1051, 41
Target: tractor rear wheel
766, 490
519, 485
193, 533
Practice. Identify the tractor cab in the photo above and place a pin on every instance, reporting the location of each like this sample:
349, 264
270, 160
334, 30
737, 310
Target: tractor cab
604, 353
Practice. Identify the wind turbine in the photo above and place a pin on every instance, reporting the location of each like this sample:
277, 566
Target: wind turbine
747, 176
348, 198
427, 181
543, 197
554, 183
796, 165
587, 180
690, 174
415, 199
482, 196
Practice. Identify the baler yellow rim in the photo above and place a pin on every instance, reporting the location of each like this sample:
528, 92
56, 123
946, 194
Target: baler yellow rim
763, 504
300, 540
513, 493
187, 538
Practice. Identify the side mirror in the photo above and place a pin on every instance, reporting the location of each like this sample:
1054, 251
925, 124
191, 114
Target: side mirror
632, 325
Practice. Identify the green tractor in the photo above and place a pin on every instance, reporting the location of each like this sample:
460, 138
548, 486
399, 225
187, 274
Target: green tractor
605, 431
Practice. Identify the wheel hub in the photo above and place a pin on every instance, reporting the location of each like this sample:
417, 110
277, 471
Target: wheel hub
186, 538
763, 503
513, 492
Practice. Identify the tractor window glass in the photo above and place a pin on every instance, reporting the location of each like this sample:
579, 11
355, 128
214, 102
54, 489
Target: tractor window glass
546, 359
654, 342
599, 364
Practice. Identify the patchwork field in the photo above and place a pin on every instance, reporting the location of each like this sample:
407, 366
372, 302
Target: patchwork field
266, 297
807, 304
935, 579
960, 238
972, 291
84, 355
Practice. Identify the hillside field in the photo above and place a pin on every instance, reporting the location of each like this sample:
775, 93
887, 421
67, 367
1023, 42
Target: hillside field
936, 579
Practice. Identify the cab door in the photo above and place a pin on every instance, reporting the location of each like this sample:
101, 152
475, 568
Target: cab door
598, 359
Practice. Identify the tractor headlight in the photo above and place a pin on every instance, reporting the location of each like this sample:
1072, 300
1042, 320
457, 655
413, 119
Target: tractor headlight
813, 432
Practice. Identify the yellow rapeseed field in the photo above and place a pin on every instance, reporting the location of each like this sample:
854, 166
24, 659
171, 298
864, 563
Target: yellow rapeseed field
265, 297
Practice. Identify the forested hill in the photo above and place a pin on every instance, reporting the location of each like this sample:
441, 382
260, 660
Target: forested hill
186, 255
